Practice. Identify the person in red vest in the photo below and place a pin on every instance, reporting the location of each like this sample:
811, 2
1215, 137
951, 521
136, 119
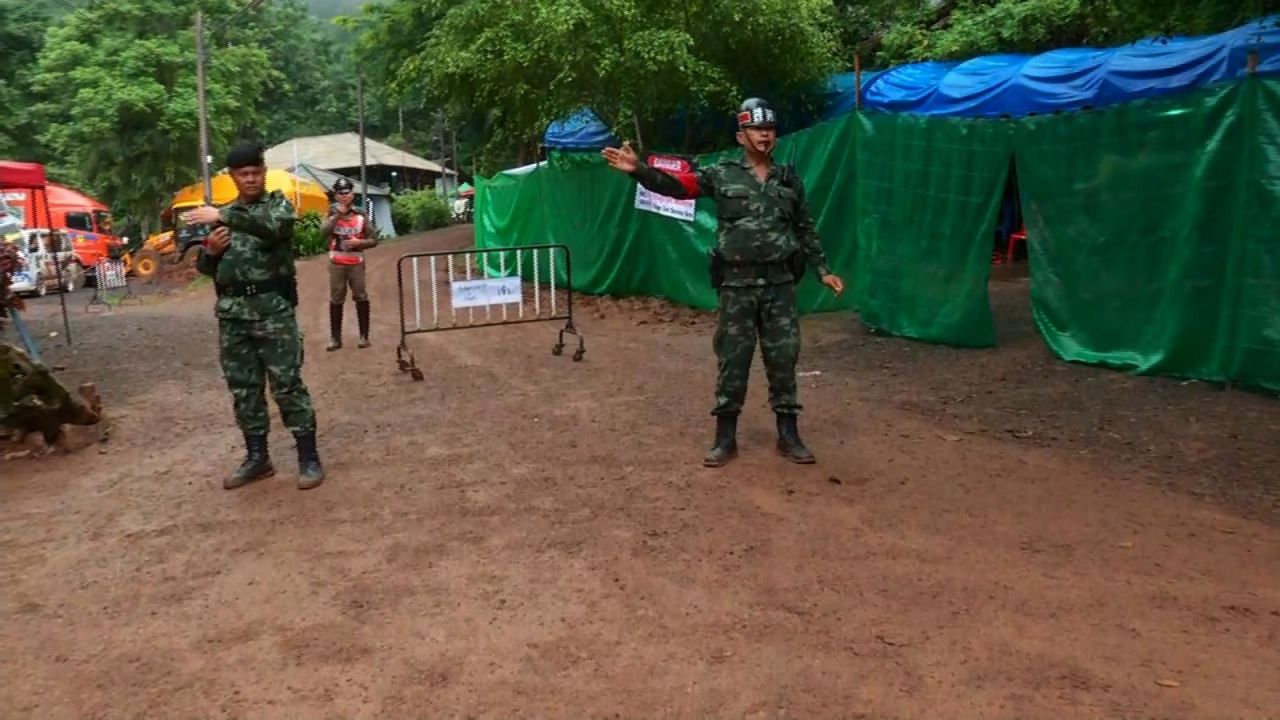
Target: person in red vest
349, 233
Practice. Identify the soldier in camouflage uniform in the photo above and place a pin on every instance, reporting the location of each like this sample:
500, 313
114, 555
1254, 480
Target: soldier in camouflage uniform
249, 255
766, 238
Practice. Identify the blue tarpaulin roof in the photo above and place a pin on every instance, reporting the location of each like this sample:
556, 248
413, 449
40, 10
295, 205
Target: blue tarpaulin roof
580, 131
842, 93
1073, 78
1017, 85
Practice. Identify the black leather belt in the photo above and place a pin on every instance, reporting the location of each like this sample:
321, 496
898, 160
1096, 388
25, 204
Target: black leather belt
281, 285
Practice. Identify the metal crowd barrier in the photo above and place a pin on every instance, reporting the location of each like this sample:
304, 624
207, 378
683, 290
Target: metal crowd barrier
475, 288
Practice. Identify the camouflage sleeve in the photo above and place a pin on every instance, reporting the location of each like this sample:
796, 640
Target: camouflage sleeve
272, 221
683, 186
807, 234
207, 264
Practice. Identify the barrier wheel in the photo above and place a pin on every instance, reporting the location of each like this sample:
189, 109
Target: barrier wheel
416, 374
577, 355
557, 349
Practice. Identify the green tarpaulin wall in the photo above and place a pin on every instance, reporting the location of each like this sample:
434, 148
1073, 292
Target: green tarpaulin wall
1155, 234
1151, 228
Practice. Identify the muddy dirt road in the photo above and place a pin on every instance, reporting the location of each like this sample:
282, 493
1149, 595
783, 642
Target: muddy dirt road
987, 533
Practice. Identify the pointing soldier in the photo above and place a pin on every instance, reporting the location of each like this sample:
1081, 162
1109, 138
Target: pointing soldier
766, 239
249, 255
349, 234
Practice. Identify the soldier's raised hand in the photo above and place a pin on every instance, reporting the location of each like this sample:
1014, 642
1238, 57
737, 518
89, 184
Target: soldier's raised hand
203, 215
624, 159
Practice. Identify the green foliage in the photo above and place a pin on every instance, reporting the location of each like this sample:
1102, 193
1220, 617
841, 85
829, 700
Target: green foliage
517, 66
307, 240
118, 81
310, 87
420, 211
22, 28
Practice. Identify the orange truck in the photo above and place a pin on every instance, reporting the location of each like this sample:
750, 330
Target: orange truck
85, 220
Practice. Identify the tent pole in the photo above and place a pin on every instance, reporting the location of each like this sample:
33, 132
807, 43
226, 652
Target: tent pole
62, 290
297, 191
857, 81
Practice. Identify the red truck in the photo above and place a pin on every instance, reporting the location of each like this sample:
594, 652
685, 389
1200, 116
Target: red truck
85, 220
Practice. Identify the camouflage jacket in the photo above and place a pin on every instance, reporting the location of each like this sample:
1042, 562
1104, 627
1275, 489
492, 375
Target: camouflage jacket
760, 223
261, 249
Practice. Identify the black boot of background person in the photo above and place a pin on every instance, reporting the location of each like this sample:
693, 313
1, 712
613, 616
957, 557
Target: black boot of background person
256, 465
310, 472
335, 326
789, 443
362, 319
726, 445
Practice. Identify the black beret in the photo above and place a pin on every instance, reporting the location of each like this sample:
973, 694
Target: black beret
245, 154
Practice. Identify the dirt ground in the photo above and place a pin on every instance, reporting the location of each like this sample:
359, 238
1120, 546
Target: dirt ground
988, 533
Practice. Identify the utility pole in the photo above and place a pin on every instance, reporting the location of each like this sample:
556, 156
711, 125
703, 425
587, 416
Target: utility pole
203, 110
364, 180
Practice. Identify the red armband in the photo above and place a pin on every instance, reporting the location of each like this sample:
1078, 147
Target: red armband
689, 182
681, 170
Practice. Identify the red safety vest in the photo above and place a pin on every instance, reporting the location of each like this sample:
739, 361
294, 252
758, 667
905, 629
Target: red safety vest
349, 226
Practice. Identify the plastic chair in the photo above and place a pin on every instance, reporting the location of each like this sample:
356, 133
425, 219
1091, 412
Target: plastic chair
1014, 239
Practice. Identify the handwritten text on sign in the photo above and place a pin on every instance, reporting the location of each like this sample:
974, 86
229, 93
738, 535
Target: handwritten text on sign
478, 293
661, 204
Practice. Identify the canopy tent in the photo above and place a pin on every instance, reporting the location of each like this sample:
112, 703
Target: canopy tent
1074, 78
378, 196
31, 176
304, 194
1167, 278
21, 175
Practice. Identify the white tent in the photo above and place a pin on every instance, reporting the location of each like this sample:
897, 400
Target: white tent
379, 197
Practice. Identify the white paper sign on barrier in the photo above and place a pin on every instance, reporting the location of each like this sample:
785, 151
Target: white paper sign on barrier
478, 293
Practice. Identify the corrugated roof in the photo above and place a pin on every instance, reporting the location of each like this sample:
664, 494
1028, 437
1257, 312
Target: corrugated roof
342, 150
327, 178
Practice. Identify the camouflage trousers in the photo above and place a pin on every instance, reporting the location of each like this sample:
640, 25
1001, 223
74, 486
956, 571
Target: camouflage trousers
747, 313
256, 351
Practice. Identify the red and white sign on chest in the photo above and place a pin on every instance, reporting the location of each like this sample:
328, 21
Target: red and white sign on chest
661, 204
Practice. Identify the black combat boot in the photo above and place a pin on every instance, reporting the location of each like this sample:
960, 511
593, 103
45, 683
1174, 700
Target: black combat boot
789, 444
335, 326
310, 473
362, 317
726, 447
256, 465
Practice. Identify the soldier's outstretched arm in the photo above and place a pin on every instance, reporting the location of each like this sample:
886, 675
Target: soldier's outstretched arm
684, 186
273, 223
